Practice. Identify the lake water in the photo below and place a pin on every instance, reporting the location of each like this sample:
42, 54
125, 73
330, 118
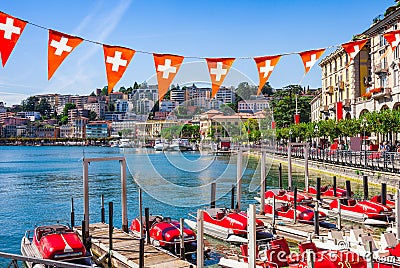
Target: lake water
37, 184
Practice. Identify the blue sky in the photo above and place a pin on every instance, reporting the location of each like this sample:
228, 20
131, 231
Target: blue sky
189, 28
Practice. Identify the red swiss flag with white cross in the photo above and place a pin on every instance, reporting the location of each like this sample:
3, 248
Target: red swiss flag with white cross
11, 29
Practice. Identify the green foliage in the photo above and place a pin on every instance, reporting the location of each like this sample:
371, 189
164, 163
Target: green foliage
68, 106
92, 115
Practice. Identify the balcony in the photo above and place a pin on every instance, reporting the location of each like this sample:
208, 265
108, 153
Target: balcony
323, 109
381, 68
340, 85
347, 103
332, 106
329, 90
379, 93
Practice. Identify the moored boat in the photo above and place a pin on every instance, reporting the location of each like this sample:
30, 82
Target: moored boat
54, 242
229, 225
278, 254
286, 211
165, 232
288, 196
327, 191
364, 211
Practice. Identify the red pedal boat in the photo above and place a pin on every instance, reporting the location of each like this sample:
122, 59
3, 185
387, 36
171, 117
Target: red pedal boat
229, 225
277, 254
389, 200
286, 211
165, 233
366, 212
288, 196
54, 242
328, 191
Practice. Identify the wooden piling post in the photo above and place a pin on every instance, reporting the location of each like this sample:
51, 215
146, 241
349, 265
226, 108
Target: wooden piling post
383, 194
306, 179
84, 234
103, 213
295, 204
124, 204
233, 197
365, 184
397, 208
140, 212
147, 219
369, 257
72, 213
251, 235
239, 179
334, 186
290, 179
348, 189
273, 211
280, 181
310, 258
182, 240
141, 252
200, 241
86, 196
339, 219
110, 231
318, 188
213, 194
263, 175
316, 218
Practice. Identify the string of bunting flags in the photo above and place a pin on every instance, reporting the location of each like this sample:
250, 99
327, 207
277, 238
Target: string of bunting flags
117, 58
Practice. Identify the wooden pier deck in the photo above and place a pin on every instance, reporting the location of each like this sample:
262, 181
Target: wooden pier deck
293, 231
125, 251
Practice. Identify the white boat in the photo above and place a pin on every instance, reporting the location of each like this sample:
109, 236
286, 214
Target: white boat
159, 145
125, 143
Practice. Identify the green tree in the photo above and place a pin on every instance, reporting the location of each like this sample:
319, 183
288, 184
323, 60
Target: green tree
44, 108
267, 89
68, 106
92, 115
30, 104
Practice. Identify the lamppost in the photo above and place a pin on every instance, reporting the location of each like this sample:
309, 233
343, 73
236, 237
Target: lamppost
316, 128
364, 126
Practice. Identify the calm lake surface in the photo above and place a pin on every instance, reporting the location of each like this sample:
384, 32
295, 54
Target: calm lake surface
37, 184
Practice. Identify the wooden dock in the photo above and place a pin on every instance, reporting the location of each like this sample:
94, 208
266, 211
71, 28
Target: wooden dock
293, 231
125, 251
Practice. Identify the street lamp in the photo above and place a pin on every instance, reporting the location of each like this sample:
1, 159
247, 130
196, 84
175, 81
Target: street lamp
316, 128
290, 135
364, 126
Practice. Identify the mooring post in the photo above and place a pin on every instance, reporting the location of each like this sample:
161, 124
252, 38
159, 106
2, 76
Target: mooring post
334, 186
239, 179
72, 213
273, 212
182, 239
383, 194
103, 213
141, 252
213, 194
369, 256
280, 181
306, 179
233, 197
263, 175
295, 204
147, 219
251, 235
316, 218
348, 189
123, 196
365, 184
339, 219
86, 196
318, 189
84, 234
200, 241
290, 166
397, 208
110, 231
140, 212
310, 258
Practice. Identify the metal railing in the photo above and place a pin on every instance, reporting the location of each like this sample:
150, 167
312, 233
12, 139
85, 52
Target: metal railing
14, 258
372, 160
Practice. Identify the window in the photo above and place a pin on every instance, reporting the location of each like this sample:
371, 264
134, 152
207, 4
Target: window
396, 53
382, 41
395, 78
340, 62
382, 81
